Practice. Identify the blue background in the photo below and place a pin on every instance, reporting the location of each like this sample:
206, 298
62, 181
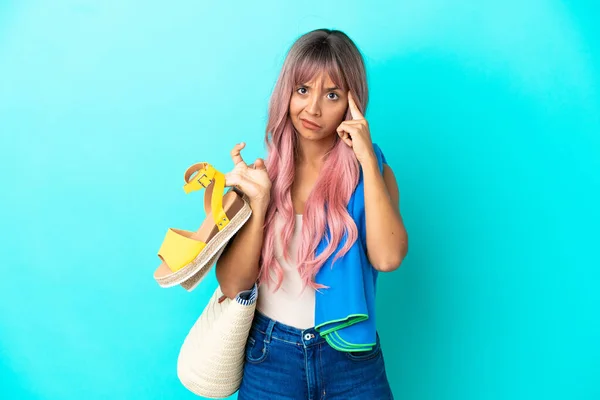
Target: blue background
488, 112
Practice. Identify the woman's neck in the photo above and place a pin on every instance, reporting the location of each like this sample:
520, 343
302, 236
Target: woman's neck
312, 152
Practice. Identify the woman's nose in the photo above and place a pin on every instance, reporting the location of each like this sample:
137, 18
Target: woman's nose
313, 106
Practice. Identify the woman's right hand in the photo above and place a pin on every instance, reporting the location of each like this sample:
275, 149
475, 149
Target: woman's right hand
252, 180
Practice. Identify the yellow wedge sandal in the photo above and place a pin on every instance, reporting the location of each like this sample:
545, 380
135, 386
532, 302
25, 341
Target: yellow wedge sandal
187, 256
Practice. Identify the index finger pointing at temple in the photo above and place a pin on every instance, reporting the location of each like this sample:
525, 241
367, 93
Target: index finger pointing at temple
354, 111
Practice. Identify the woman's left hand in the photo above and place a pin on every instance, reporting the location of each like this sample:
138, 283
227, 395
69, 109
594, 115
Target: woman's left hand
355, 133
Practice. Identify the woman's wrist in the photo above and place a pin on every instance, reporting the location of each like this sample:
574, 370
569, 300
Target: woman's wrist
259, 208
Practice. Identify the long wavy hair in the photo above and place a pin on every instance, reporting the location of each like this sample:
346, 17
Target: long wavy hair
333, 52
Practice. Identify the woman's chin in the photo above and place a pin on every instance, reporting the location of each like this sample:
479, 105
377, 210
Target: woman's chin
313, 135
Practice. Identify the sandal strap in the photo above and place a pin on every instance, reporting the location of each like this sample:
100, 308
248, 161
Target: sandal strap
207, 174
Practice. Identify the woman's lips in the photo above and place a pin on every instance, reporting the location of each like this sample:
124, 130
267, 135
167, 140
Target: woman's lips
310, 126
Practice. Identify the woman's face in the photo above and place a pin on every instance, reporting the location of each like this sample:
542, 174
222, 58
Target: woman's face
318, 101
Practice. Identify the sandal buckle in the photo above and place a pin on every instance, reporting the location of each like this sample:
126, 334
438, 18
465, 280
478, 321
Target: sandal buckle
204, 180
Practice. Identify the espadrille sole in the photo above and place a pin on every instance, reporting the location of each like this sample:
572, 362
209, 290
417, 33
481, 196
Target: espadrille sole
192, 283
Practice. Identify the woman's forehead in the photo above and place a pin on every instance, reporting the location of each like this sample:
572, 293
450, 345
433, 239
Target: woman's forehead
321, 78
314, 74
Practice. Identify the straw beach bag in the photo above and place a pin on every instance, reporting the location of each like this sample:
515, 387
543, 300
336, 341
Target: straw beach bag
211, 359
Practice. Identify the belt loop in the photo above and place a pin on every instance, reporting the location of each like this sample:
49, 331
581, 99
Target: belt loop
269, 331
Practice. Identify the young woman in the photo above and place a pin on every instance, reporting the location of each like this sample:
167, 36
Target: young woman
318, 144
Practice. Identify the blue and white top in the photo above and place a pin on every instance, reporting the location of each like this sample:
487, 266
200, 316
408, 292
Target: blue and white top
344, 314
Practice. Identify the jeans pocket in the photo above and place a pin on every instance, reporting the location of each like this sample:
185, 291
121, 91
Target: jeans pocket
365, 355
256, 349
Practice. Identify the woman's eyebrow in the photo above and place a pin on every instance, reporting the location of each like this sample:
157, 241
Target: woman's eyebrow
328, 89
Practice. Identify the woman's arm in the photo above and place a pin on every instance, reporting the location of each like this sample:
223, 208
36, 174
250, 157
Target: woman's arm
387, 240
237, 268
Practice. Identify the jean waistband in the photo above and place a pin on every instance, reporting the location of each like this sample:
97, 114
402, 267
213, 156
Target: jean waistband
286, 333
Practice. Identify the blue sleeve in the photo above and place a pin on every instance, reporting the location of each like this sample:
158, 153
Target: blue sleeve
380, 157
247, 297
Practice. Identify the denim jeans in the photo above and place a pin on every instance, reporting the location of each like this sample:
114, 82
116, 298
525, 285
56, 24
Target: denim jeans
283, 362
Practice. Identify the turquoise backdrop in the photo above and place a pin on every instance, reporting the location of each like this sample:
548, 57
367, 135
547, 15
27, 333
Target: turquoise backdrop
488, 112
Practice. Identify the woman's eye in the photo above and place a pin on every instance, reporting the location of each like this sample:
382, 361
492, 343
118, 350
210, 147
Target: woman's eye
335, 96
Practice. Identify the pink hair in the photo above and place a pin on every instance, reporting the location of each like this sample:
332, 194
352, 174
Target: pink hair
333, 52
